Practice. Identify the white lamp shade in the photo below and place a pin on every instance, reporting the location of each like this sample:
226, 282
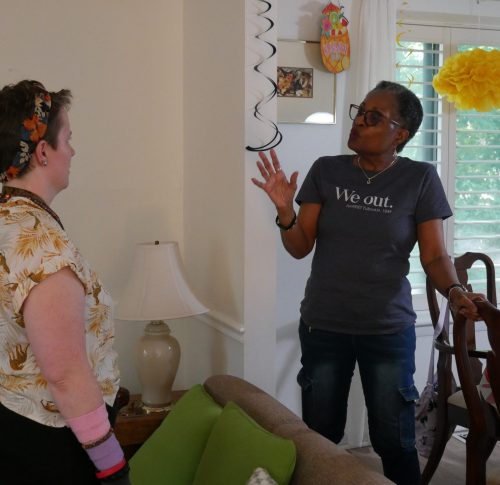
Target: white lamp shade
157, 288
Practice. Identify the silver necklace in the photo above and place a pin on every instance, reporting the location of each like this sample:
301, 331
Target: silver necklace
369, 179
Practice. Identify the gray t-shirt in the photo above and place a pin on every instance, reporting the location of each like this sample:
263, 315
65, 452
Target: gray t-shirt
365, 234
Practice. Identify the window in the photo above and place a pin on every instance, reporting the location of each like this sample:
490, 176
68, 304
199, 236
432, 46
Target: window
477, 183
463, 145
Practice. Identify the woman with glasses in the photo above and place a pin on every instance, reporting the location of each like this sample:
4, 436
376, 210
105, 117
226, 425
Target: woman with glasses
363, 214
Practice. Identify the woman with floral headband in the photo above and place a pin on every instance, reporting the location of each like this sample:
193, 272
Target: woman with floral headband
58, 374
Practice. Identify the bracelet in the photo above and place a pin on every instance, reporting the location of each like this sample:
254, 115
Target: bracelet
454, 285
286, 228
101, 440
111, 471
117, 476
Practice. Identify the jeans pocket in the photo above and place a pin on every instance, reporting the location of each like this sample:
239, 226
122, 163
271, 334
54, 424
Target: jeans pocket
409, 394
407, 416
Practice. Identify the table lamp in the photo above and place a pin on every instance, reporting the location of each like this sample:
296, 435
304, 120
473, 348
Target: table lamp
157, 290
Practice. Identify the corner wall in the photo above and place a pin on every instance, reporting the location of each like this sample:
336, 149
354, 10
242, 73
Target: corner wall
229, 234
213, 137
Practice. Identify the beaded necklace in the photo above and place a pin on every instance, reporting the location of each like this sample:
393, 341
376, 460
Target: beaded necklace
9, 192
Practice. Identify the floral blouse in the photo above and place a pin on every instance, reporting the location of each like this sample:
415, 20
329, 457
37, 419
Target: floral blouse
32, 247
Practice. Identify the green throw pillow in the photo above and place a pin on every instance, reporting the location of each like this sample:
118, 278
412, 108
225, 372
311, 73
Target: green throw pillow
172, 453
237, 446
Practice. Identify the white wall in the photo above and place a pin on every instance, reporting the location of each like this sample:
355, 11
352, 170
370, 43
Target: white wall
226, 229
213, 128
214, 86
122, 60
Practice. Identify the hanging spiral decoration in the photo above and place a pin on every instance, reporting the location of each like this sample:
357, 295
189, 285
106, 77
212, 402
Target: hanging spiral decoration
276, 140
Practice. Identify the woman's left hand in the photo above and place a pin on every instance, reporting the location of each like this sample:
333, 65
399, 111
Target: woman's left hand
463, 302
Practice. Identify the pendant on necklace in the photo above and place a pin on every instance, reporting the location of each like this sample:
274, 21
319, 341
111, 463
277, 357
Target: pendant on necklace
368, 182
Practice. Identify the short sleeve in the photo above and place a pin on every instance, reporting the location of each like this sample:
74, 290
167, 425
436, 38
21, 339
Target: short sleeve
311, 187
432, 202
38, 253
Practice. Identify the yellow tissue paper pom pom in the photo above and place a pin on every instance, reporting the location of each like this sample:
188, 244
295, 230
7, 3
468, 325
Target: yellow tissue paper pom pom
471, 79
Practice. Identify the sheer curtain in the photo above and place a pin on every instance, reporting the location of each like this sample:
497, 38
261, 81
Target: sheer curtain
373, 51
373, 57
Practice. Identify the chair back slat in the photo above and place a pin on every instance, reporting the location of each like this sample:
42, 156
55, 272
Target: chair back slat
465, 262
491, 316
467, 374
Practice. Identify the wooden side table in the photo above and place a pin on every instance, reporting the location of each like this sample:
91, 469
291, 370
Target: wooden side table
134, 426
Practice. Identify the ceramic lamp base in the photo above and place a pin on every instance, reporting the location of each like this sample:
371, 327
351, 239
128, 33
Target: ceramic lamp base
157, 355
150, 410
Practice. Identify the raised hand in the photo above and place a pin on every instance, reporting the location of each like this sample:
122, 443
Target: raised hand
275, 184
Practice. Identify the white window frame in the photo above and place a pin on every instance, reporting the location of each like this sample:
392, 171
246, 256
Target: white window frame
450, 37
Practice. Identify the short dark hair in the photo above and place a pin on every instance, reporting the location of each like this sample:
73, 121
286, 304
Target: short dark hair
409, 107
17, 102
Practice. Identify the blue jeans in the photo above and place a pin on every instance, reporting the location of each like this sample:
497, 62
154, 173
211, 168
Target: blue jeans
386, 365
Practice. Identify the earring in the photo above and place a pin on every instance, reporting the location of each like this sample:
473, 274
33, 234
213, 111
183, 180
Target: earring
44, 163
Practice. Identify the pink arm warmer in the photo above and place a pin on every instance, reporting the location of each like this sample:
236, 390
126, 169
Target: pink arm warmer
90, 428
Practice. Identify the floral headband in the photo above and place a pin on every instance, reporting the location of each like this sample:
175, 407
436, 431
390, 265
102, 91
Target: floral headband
32, 131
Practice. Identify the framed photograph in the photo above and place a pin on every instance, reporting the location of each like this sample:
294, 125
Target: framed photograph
306, 89
295, 82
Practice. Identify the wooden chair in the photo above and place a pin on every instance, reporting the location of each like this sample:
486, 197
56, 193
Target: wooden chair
484, 421
451, 406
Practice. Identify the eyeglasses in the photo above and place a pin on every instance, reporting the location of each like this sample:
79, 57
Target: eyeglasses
370, 117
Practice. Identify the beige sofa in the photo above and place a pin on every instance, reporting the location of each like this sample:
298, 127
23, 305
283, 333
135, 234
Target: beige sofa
319, 461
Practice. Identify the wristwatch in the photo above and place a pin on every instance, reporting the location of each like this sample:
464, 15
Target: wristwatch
454, 285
